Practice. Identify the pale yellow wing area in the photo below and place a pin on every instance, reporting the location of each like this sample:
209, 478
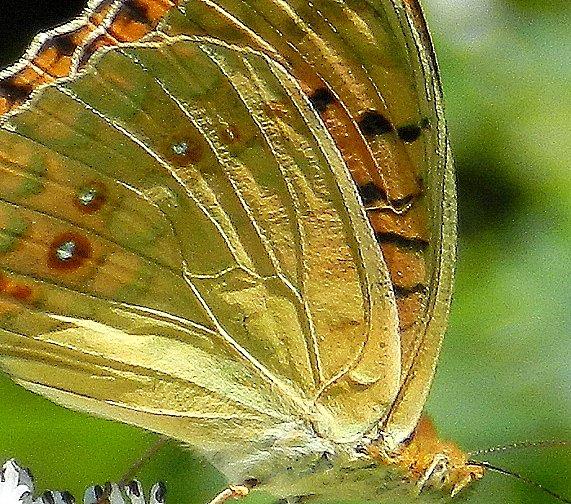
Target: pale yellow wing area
182, 248
369, 70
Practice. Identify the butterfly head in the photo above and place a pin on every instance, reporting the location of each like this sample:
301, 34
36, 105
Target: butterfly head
428, 461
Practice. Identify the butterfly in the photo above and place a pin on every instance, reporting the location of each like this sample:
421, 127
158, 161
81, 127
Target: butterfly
233, 223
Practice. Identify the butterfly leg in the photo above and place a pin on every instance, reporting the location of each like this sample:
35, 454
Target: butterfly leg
232, 492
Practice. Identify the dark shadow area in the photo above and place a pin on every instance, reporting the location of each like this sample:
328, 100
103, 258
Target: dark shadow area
488, 200
22, 20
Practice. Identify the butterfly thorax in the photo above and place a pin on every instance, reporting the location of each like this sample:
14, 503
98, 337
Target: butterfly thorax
291, 460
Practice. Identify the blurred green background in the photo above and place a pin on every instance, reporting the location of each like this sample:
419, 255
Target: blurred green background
504, 373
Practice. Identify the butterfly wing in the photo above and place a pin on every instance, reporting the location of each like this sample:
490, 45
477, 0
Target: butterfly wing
183, 249
369, 70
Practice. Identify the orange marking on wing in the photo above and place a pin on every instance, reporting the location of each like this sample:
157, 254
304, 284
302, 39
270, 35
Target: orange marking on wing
51, 62
406, 267
412, 225
15, 290
100, 12
157, 9
343, 129
55, 56
138, 18
126, 29
104, 40
350, 143
395, 171
30, 78
410, 309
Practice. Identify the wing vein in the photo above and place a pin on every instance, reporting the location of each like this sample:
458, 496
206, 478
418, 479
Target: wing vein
255, 108
263, 372
91, 231
164, 164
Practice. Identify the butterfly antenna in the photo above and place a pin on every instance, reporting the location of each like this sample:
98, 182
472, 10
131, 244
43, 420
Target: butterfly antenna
506, 472
134, 469
519, 446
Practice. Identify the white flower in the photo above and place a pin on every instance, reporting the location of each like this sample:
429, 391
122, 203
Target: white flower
132, 494
17, 487
51, 497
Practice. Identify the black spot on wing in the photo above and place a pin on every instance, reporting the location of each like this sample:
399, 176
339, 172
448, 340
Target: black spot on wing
63, 43
14, 91
402, 292
369, 192
321, 98
135, 11
404, 242
373, 123
409, 133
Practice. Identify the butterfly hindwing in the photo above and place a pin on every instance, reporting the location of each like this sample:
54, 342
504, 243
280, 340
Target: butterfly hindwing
203, 239
366, 67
